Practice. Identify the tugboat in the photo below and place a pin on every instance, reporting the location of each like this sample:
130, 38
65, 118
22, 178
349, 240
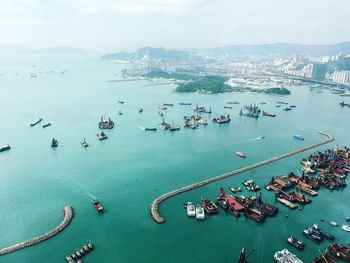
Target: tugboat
98, 206
200, 215
101, 136
298, 244
54, 143
106, 124
84, 143
240, 154
36, 122
5, 148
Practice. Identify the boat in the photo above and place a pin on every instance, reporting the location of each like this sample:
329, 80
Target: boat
232, 102
343, 104
90, 245
251, 185
164, 125
191, 209
185, 103
200, 215
268, 114
46, 125
191, 124
78, 254
69, 259
120, 112
36, 122
284, 256
347, 219
84, 143
277, 106
174, 127
240, 154
235, 189
168, 104
106, 124
298, 137
340, 251
333, 223
162, 107
227, 107
98, 206
140, 110
222, 119
312, 234
202, 121
209, 207
86, 248
101, 136
120, 102
5, 148
150, 129
82, 251
292, 106
287, 109
345, 228
73, 255
54, 142
323, 233
298, 244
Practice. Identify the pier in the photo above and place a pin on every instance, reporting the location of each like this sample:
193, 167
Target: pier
155, 204
68, 215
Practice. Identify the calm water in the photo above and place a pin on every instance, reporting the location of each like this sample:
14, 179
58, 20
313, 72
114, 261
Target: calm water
131, 168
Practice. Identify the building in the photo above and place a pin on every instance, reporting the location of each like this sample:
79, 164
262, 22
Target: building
341, 77
319, 71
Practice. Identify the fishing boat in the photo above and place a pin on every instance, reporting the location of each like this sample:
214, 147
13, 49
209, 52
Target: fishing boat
174, 127
168, 104
298, 137
106, 124
240, 154
227, 107
54, 143
311, 234
5, 148
292, 106
346, 228
268, 114
191, 124
140, 110
36, 122
298, 244
46, 125
333, 223
200, 215
98, 206
191, 209
84, 143
101, 136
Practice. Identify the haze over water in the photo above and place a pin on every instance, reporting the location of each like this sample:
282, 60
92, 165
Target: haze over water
131, 168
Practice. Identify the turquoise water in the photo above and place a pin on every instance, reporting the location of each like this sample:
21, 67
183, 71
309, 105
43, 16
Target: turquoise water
131, 168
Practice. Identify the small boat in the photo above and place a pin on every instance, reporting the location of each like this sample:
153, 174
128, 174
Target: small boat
73, 255
347, 219
298, 137
86, 248
200, 215
36, 122
46, 125
82, 251
191, 209
268, 114
227, 107
287, 109
279, 105
140, 110
185, 103
203, 121
101, 136
78, 254
174, 127
168, 104
120, 112
120, 102
98, 206
232, 102
346, 228
298, 244
84, 143
150, 129
209, 207
54, 142
261, 137
333, 223
69, 259
162, 107
292, 106
240, 154
90, 245
235, 189
5, 148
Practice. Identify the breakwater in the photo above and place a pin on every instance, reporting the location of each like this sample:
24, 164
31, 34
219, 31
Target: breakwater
68, 215
155, 204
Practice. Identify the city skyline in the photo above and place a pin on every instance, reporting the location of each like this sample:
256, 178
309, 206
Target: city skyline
118, 25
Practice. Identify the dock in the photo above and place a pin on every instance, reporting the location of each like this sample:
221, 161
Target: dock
156, 202
68, 215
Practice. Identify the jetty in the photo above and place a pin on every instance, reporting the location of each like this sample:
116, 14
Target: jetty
68, 215
156, 202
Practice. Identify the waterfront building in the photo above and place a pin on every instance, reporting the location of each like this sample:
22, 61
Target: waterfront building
341, 77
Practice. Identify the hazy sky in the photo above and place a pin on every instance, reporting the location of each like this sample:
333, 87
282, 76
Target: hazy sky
125, 25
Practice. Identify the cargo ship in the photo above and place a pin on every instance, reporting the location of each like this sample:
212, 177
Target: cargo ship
298, 244
185, 103
36, 122
222, 119
209, 207
228, 203
98, 206
5, 148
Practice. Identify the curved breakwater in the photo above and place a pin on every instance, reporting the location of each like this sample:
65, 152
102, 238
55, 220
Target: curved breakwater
68, 215
155, 204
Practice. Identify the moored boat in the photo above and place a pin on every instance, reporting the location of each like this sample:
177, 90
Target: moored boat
345, 228
284, 256
200, 215
333, 223
222, 119
209, 207
298, 244
140, 110
191, 209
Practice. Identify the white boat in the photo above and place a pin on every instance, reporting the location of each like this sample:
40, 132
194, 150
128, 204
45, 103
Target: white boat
346, 228
200, 215
284, 256
333, 223
203, 121
191, 209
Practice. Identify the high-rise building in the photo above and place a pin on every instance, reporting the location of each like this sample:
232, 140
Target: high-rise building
342, 77
319, 71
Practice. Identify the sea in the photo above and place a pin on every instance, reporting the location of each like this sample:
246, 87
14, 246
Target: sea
132, 167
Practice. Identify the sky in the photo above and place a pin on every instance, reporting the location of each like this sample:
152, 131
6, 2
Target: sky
125, 25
